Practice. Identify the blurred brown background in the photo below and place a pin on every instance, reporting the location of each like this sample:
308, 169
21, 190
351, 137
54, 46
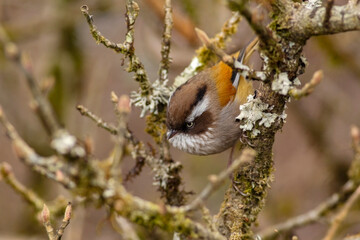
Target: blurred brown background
311, 154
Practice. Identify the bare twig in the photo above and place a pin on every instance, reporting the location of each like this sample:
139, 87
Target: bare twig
45, 216
229, 60
309, 87
247, 72
182, 22
30, 196
51, 232
124, 227
117, 47
43, 106
62, 142
216, 181
263, 33
107, 126
205, 55
65, 222
166, 40
127, 47
313, 215
48, 166
99, 122
340, 217
122, 109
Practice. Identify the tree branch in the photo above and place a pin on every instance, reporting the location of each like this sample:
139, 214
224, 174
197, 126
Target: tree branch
340, 217
127, 47
48, 166
166, 41
309, 87
311, 216
30, 196
247, 155
204, 56
305, 20
43, 106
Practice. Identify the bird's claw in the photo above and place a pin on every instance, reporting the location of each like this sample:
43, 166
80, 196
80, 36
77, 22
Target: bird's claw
244, 140
237, 189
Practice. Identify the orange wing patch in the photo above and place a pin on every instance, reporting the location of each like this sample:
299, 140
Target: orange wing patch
221, 73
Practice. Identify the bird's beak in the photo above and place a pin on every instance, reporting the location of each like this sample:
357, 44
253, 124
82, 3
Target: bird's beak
171, 133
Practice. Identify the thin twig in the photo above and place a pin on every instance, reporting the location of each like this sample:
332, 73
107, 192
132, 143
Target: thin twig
264, 34
246, 71
117, 47
107, 126
313, 215
99, 122
122, 109
127, 47
30, 196
124, 227
229, 60
166, 41
355, 137
309, 87
46, 219
43, 106
340, 217
204, 55
45, 216
62, 142
183, 24
247, 155
48, 166
65, 222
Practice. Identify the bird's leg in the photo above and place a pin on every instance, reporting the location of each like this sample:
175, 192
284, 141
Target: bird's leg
231, 156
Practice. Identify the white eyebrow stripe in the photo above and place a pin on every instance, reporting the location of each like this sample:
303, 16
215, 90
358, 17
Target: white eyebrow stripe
199, 109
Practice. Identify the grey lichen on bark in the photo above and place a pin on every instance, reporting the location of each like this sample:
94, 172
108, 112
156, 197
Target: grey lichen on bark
281, 45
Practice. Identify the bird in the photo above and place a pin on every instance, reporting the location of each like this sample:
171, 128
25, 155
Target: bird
201, 113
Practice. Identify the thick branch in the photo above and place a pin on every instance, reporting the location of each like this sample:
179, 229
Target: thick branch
306, 22
170, 219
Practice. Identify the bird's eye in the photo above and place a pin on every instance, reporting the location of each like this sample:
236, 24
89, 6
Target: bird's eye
190, 125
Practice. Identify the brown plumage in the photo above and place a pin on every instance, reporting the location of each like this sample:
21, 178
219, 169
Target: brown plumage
201, 112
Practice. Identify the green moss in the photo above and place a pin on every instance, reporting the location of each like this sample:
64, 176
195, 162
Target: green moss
156, 126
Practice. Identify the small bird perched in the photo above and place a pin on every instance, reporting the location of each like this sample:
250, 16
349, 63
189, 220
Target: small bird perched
201, 112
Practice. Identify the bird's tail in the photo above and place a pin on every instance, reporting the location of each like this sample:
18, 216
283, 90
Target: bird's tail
244, 87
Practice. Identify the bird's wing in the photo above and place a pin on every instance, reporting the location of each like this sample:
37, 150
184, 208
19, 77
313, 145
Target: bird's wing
238, 88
